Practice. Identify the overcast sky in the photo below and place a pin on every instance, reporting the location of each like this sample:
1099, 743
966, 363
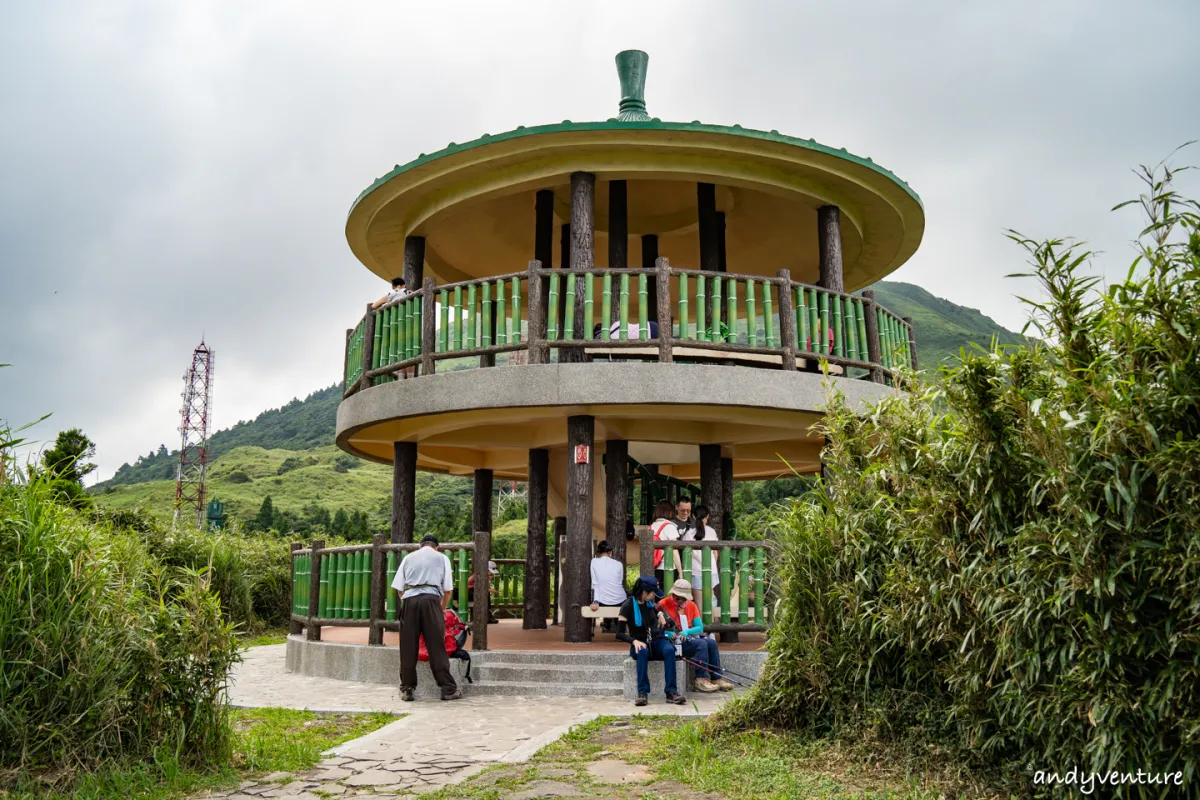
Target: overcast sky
176, 170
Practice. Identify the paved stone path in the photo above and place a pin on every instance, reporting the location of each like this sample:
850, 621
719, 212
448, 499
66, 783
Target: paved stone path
438, 743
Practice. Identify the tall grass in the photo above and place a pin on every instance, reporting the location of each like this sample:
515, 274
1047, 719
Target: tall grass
1009, 565
105, 652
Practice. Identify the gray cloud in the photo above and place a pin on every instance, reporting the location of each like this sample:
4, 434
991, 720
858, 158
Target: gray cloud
175, 170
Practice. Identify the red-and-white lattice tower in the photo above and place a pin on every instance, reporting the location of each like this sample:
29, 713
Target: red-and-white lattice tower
193, 428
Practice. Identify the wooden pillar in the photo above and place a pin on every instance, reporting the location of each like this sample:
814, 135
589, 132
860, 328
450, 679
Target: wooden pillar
726, 496
295, 626
312, 631
583, 249
536, 581
564, 262
404, 491
577, 580
787, 320
706, 206
481, 501
649, 259
662, 311
479, 563
616, 495
543, 242
428, 325
559, 533
912, 341
711, 494
829, 244
618, 235
414, 262
875, 375
721, 263
538, 300
379, 589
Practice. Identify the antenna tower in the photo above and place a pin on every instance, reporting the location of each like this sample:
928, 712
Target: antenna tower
193, 428
511, 492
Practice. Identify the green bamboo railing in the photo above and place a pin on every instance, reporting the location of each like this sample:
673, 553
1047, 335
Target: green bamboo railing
741, 572
734, 312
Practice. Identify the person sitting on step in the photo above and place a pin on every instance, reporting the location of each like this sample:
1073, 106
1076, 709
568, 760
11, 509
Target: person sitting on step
697, 647
608, 582
641, 623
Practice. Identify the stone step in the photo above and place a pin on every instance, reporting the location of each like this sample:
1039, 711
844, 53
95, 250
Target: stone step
539, 689
600, 658
550, 673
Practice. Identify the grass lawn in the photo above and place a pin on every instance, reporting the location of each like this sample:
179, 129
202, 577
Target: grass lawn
672, 758
265, 740
269, 636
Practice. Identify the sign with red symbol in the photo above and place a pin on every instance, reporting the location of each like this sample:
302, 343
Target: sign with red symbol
582, 452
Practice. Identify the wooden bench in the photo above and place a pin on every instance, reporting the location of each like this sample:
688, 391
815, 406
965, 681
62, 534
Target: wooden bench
603, 612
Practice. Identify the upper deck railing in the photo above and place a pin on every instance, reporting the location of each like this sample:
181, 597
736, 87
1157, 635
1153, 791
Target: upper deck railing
579, 314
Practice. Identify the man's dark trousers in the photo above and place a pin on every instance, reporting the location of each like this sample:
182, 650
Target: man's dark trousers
422, 615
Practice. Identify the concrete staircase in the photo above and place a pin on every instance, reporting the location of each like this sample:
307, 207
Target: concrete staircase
547, 673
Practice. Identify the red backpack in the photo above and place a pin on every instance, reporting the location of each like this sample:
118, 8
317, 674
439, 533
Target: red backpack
658, 554
454, 626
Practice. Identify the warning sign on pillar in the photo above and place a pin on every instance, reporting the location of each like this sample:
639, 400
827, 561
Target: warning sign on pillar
582, 453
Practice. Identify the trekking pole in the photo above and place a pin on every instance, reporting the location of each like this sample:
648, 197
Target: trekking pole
722, 670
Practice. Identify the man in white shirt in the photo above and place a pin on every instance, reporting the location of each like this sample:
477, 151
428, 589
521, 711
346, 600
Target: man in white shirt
425, 580
608, 579
398, 291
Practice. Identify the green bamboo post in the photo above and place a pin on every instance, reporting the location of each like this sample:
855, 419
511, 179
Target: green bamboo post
685, 568
861, 322
389, 600
458, 320
332, 606
760, 594
751, 314
851, 330
714, 321
743, 584
464, 573
668, 568
502, 322
414, 329
444, 319
552, 321
364, 583
623, 318
684, 331
352, 604
643, 309
839, 333
588, 312
724, 584
402, 329
339, 585
514, 335
469, 339
485, 330
377, 350
814, 323
568, 322
295, 584
323, 599
706, 584
801, 319
394, 353
701, 310
605, 306
881, 326
769, 316
826, 324
383, 325
731, 320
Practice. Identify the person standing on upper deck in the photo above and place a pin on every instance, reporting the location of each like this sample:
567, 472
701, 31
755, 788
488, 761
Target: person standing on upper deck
426, 580
398, 291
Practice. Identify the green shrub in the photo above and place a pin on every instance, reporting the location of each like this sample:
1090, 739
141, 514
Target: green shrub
239, 476
1010, 564
105, 653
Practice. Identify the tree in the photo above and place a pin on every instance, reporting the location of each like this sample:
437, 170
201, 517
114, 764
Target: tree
67, 460
340, 521
265, 519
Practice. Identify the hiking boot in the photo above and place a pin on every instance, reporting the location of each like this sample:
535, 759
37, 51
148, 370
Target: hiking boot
456, 696
406, 695
641, 700
676, 699
705, 685
723, 685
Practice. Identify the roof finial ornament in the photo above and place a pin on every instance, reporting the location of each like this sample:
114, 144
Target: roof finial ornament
631, 69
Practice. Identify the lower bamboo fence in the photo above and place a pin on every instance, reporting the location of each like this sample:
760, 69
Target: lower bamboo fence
744, 592
580, 314
350, 586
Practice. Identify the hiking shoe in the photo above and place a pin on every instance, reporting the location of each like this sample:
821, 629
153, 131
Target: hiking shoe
723, 685
676, 699
705, 685
406, 695
456, 696
641, 700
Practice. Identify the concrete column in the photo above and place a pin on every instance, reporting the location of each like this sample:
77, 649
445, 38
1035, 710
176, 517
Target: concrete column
577, 578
